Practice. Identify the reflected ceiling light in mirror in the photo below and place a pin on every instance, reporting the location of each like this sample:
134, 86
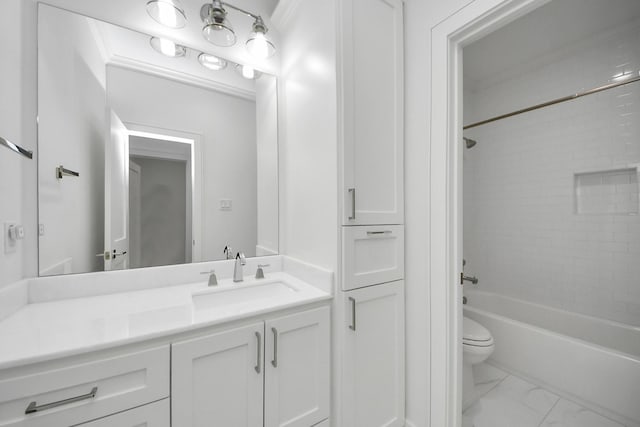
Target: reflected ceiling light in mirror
218, 30
258, 44
248, 72
167, 47
167, 12
212, 62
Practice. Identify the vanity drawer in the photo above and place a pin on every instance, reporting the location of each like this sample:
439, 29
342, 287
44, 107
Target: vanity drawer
372, 255
62, 396
154, 414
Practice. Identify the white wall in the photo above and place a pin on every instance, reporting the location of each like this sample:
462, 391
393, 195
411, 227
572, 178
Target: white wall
420, 17
267, 167
72, 132
523, 236
163, 211
227, 125
308, 132
17, 123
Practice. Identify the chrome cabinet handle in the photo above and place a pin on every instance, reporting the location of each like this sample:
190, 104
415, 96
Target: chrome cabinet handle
259, 353
377, 233
352, 191
352, 326
274, 362
34, 407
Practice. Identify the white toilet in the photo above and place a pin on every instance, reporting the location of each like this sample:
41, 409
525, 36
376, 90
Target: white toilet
477, 346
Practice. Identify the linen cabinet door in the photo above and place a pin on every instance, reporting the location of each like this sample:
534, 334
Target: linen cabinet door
373, 356
373, 117
217, 380
297, 369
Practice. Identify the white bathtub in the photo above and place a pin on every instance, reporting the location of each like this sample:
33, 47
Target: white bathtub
593, 361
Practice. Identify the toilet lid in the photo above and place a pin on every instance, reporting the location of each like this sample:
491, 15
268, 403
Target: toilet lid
473, 333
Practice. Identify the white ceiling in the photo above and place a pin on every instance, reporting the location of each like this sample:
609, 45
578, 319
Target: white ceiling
552, 27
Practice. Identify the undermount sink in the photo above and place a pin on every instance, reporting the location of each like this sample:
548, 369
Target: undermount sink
240, 294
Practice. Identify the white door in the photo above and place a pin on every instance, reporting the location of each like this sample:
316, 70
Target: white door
217, 380
373, 112
373, 356
116, 196
297, 369
135, 209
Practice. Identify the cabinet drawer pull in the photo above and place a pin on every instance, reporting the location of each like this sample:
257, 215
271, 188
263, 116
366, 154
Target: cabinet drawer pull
274, 361
352, 326
259, 353
34, 407
377, 233
352, 191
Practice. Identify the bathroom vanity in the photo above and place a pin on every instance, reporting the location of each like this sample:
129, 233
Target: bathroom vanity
251, 353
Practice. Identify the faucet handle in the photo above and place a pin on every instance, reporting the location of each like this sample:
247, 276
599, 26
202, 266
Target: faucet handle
213, 279
260, 272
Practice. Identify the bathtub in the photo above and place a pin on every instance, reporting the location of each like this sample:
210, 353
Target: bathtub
592, 361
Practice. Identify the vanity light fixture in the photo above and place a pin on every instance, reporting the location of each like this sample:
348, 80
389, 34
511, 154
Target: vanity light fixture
218, 30
167, 12
248, 72
212, 62
167, 47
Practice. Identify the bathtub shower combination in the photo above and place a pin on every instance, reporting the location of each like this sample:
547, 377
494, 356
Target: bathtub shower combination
592, 361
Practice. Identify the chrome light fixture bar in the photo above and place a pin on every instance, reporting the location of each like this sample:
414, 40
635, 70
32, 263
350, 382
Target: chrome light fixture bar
218, 30
167, 12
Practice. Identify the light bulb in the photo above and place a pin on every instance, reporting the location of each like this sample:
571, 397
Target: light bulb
167, 12
248, 72
167, 47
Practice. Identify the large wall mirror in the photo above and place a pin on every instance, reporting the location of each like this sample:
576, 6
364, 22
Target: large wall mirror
148, 160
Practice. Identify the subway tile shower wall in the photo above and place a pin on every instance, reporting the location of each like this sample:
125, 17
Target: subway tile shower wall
525, 234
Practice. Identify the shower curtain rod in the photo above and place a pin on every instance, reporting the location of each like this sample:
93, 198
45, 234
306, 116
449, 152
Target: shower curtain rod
555, 101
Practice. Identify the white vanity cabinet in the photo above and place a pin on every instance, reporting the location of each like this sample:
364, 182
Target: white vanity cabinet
222, 379
373, 356
72, 392
372, 117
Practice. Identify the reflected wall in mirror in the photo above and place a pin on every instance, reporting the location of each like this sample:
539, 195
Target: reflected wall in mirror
146, 160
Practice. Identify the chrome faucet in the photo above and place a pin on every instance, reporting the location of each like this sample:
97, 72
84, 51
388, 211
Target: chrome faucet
213, 280
228, 252
237, 269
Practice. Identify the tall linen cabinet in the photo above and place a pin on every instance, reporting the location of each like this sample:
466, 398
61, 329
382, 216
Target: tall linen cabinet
370, 305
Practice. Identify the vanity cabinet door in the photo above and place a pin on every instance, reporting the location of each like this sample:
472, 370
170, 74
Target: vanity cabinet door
373, 356
297, 370
372, 122
217, 380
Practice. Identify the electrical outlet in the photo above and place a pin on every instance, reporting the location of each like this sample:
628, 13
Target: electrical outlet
41, 229
225, 204
10, 237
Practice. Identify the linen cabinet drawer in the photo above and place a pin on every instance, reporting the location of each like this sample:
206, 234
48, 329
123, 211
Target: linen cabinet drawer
372, 255
73, 394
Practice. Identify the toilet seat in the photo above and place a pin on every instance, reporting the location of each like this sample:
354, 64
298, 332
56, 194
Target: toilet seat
474, 334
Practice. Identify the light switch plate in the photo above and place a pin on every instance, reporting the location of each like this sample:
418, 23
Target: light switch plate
10, 245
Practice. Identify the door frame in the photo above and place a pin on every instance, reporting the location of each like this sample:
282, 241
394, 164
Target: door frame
194, 221
448, 38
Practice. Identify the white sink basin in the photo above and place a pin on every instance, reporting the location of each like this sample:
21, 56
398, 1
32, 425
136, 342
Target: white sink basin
240, 295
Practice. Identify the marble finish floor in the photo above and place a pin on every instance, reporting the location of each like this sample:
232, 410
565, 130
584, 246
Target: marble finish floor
508, 401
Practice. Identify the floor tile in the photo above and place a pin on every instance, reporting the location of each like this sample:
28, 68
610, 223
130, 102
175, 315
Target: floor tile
512, 403
569, 414
486, 377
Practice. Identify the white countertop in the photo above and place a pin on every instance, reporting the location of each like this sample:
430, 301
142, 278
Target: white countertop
50, 330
